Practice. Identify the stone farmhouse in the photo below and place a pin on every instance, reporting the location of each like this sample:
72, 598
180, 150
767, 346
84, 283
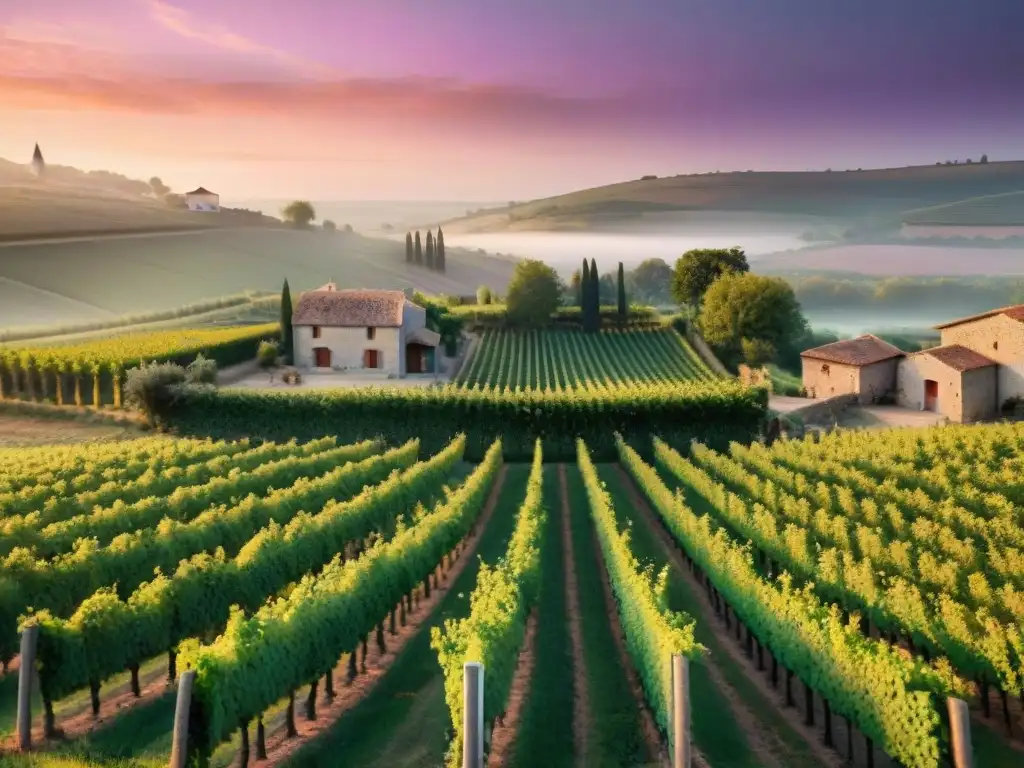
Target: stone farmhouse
976, 369
364, 330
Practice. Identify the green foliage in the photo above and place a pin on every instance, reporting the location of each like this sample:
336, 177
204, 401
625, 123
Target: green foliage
892, 698
329, 226
585, 289
653, 632
697, 269
300, 213
267, 354
296, 639
198, 598
224, 512
533, 293
409, 254
493, 632
623, 308
429, 252
592, 312
287, 334
651, 282
741, 306
557, 360
439, 256
757, 352
201, 371
418, 250
148, 388
714, 414
483, 295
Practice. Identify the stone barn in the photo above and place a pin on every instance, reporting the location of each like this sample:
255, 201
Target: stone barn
865, 366
951, 380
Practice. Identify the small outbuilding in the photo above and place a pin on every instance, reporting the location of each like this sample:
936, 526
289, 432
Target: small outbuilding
950, 380
865, 366
201, 199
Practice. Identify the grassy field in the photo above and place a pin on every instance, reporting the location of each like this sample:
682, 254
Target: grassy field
552, 359
103, 279
874, 192
1006, 209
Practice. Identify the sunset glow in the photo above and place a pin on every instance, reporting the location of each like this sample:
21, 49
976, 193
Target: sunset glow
398, 99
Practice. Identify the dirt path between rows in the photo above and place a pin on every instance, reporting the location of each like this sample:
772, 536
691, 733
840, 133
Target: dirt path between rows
581, 707
280, 747
766, 744
503, 738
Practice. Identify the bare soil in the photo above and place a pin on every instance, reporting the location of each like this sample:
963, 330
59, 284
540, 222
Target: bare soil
23, 431
280, 747
581, 710
503, 737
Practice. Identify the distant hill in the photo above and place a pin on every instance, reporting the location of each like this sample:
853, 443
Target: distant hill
1005, 209
879, 194
68, 201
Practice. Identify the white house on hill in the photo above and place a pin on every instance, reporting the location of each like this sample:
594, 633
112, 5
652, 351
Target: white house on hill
348, 329
201, 199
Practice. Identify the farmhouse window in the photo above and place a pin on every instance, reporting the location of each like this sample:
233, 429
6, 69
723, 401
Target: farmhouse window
371, 333
316, 331
825, 368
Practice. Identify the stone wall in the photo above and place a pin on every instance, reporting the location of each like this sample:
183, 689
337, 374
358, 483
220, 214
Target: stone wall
824, 410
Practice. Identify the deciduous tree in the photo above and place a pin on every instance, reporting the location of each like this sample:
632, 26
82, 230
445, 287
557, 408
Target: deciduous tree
533, 294
300, 213
697, 269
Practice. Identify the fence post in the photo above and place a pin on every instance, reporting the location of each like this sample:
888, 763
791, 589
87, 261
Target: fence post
960, 733
472, 715
26, 672
681, 753
179, 743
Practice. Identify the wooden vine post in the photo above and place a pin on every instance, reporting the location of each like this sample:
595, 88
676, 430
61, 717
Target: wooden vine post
960, 733
179, 743
681, 751
472, 715
29, 640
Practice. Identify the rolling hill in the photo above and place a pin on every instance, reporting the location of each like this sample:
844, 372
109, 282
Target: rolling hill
1006, 209
880, 194
51, 283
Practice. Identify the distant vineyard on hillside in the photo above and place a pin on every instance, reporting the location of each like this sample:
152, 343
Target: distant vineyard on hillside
558, 360
989, 210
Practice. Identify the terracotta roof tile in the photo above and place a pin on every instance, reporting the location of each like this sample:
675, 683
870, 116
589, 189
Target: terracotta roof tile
864, 350
1016, 312
350, 308
958, 357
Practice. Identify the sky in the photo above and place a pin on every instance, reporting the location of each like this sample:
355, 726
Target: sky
497, 100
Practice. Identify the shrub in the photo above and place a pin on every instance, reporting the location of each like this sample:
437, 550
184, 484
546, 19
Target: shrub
267, 353
201, 371
329, 226
483, 295
149, 388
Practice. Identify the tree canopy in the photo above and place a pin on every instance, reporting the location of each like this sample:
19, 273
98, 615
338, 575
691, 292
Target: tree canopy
299, 212
742, 306
651, 282
533, 294
697, 269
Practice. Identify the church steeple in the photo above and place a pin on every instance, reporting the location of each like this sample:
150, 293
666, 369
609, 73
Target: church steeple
38, 164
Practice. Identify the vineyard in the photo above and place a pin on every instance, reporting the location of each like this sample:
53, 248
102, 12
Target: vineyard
92, 372
560, 360
852, 598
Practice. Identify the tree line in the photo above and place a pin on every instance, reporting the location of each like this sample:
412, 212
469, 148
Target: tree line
432, 257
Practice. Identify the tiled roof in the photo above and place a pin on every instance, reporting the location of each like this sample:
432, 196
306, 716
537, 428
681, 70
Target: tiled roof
958, 357
350, 308
1016, 312
864, 350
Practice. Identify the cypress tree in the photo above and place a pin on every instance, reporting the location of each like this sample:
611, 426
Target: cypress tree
622, 295
418, 251
439, 251
595, 297
408, 248
585, 295
429, 254
287, 342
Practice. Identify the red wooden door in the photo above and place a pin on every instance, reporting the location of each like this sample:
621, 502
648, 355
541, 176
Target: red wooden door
370, 358
323, 357
413, 359
931, 395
